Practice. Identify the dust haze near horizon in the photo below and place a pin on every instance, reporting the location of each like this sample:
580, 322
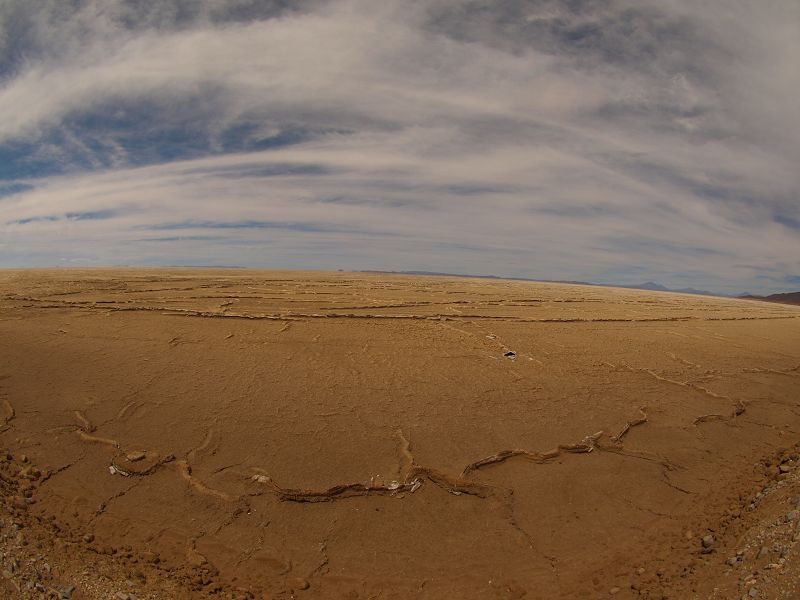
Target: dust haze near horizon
612, 142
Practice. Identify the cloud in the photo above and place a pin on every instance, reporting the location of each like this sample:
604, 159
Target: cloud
562, 140
7, 189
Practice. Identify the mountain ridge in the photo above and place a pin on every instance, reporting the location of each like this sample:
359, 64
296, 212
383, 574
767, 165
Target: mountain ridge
648, 285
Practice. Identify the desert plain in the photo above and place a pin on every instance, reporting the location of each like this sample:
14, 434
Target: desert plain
192, 433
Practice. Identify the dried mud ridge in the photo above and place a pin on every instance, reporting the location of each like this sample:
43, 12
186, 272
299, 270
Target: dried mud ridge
131, 462
411, 475
43, 557
739, 405
130, 306
138, 463
756, 546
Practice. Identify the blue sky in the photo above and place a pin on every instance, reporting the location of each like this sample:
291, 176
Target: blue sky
603, 141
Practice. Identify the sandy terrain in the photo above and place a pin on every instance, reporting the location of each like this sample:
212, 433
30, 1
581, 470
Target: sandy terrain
253, 434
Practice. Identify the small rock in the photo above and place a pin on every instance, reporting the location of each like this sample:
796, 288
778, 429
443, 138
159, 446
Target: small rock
762, 553
732, 560
135, 455
614, 590
299, 584
708, 541
122, 596
88, 538
792, 515
753, 592
66, 593
785, 468
640, 571
138, 574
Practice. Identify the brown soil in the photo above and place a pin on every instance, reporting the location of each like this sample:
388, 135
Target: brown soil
232, 433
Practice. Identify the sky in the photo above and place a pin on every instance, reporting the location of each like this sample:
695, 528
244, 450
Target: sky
608, 141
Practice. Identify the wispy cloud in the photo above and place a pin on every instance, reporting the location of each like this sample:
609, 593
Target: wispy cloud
549, 139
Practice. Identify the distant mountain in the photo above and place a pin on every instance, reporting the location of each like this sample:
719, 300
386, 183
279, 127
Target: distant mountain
648, 285
787, 298
657, 287
440, 274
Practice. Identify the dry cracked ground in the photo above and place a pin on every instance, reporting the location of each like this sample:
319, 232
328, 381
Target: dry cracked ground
255, 434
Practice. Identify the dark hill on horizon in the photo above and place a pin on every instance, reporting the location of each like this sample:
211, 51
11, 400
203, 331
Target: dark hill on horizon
785, 298
648, 285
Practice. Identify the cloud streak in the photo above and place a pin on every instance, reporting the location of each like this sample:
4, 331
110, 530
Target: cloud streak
599, 141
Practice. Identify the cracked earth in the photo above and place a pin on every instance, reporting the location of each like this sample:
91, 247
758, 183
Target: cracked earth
324, 435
